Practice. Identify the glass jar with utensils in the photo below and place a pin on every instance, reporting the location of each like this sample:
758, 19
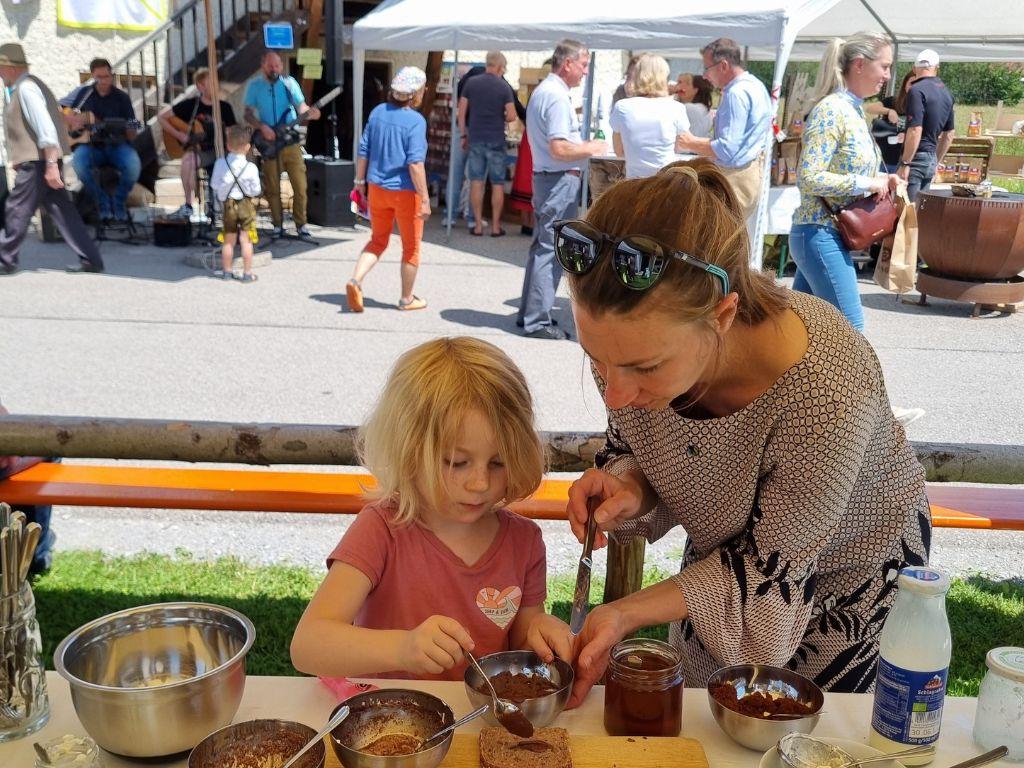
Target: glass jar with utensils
24, 705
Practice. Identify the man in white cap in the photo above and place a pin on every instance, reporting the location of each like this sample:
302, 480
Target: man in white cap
36, 144
929, 125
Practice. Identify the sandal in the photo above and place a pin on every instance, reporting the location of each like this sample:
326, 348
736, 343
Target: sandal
354, 294
222, 275
248, 277
414, 303
499, 233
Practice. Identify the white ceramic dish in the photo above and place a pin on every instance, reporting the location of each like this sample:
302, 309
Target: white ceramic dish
855, 748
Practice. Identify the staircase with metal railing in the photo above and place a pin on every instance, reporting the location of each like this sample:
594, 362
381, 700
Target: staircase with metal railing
159, 69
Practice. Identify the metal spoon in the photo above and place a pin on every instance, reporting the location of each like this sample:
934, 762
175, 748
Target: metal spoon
331, 725
798, 750
508, 714
461, 721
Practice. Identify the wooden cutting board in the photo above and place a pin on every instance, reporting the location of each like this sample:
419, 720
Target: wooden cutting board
590, 752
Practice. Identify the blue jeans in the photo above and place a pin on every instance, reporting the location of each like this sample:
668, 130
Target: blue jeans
123, 158
460, 191
922, 171
825, 269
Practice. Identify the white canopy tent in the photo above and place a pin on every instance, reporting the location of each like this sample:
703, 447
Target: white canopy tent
769, 26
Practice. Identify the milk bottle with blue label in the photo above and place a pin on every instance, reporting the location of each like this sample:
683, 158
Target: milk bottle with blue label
914, 652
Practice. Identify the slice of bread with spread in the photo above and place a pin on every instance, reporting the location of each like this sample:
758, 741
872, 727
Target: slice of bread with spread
498, 749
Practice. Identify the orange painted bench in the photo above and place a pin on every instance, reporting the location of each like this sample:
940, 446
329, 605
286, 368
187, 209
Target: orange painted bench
341, 493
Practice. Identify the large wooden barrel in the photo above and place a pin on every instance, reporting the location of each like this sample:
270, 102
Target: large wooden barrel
971, 238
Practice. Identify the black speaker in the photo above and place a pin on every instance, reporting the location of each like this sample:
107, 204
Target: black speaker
329, 186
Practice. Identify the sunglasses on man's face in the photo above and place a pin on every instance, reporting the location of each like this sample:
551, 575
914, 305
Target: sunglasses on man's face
638, 261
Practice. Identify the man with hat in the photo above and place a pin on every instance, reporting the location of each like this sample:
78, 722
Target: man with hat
929, 125
35, 148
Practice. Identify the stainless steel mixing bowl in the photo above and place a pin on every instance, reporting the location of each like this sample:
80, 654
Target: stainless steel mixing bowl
758, 732
157, 679
252, 743
540, 711
392, 711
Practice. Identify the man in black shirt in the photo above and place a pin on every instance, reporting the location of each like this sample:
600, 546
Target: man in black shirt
110, 139
196, 114
929, 125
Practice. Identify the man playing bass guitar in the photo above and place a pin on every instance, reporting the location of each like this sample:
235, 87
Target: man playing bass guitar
273, 99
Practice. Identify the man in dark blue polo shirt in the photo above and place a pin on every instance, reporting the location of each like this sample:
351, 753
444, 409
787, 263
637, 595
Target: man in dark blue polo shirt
107, 103
485, 106
929, 125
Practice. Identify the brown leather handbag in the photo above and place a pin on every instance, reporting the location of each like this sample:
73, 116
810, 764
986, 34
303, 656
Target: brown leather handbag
865, 221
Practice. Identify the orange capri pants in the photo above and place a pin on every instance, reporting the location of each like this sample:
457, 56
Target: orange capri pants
388, 206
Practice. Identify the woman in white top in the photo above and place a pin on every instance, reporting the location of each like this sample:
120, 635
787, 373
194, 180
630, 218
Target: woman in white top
647, 123
695, 93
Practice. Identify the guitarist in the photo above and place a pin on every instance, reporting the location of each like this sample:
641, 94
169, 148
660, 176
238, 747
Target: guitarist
105, 101
271, 100
197, 137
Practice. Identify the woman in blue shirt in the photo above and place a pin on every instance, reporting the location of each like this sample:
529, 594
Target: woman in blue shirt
840, 162
390, 170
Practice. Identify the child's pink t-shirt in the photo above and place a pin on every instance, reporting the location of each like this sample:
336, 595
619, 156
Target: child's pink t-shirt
415, 576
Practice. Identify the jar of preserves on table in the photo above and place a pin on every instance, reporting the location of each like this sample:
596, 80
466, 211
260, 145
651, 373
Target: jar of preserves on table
644, 689
999, 719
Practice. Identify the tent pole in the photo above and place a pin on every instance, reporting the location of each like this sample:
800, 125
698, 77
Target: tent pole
890, 87
756, 229
449, 187
358, 76
588, 108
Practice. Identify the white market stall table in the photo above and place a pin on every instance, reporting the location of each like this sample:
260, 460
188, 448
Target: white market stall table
306, 700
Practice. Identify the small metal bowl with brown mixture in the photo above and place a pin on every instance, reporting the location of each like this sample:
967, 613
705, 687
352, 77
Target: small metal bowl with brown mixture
257, 744
386, 729
757, 704
540, 689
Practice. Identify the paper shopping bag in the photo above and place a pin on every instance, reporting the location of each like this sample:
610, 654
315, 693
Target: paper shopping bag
897, 262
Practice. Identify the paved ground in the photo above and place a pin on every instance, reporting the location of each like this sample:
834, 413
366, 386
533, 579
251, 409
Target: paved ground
155, 338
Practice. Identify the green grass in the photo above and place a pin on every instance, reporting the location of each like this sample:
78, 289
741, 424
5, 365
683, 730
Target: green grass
85, 585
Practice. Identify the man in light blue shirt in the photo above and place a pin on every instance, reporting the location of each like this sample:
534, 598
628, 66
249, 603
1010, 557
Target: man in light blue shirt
742, 123
271, 100
558, 151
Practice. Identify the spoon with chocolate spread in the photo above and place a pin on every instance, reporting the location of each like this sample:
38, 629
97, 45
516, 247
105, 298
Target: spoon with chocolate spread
506, 713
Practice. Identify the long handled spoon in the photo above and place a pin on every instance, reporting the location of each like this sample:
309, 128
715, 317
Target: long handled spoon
331, 725
445, 731
508, 714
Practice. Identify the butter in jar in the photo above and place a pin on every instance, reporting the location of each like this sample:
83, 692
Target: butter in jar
70, 751
644, 689
999, 718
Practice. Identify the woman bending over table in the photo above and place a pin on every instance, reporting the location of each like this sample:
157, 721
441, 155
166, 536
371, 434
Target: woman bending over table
754, 417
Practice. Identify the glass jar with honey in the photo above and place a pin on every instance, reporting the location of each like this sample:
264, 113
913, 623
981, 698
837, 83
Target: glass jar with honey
643, 693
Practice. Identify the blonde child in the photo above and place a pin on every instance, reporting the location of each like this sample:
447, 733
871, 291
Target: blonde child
236, 182
437, 564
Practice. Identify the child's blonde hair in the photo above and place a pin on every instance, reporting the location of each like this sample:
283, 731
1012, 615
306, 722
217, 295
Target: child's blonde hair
416, 422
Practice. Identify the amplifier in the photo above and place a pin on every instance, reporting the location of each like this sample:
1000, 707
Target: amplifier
329, 185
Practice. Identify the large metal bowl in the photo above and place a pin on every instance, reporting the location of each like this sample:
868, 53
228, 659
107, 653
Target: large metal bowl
757, 732
540, 711
380, 713
252, 743
157, 679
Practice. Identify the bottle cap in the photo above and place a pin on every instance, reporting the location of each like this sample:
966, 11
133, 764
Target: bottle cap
1007, 662
924, 580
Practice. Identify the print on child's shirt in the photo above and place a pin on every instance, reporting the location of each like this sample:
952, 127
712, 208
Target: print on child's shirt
500, 606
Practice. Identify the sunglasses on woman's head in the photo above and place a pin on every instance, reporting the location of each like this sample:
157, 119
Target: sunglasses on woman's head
638, 261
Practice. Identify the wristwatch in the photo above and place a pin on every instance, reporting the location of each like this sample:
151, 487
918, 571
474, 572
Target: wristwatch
53, 162
904, 163
358, 182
